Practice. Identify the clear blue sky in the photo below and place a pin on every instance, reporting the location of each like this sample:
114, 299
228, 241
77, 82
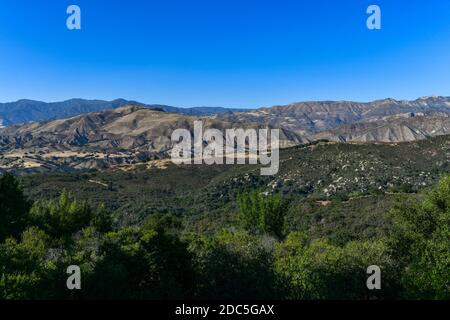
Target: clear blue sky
232, 53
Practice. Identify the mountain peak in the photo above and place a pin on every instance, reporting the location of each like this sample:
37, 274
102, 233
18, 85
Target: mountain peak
434, 98
385, 101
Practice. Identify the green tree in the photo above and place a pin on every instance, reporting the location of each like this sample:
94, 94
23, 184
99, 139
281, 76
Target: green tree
140, 264
14, 207
24, 266
259, 213
102, 220
232, 265
320, 270
66, 216
420, 241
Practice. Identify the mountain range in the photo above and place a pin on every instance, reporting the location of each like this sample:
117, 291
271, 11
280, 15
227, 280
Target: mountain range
102, 134
311, 118
24, 111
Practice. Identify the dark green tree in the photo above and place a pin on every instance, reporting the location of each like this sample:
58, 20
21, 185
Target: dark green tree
24, 266
260, 213
233, 265
320, 270
14, 207
420, 241
141, 264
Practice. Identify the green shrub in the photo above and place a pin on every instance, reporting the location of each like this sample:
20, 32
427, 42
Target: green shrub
264, 214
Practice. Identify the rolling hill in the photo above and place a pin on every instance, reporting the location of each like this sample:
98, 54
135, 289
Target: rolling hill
124, 135
133, 133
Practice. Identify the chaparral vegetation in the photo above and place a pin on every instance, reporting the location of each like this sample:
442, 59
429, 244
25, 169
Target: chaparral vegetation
226, 232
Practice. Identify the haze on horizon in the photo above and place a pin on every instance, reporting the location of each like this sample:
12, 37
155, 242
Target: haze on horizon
224, 53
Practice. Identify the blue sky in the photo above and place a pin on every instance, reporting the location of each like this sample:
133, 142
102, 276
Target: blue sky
232, 53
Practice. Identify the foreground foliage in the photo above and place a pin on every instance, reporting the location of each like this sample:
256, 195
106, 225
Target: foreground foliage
258, 257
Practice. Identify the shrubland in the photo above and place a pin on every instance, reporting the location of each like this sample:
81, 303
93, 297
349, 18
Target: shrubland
267, 246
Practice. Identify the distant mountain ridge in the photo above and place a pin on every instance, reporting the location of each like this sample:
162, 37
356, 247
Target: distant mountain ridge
24, 111
306, 118
125, 135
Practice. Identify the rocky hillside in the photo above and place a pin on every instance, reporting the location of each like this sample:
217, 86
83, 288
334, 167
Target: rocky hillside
403, 127
135, 133
95, 140
310, 118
